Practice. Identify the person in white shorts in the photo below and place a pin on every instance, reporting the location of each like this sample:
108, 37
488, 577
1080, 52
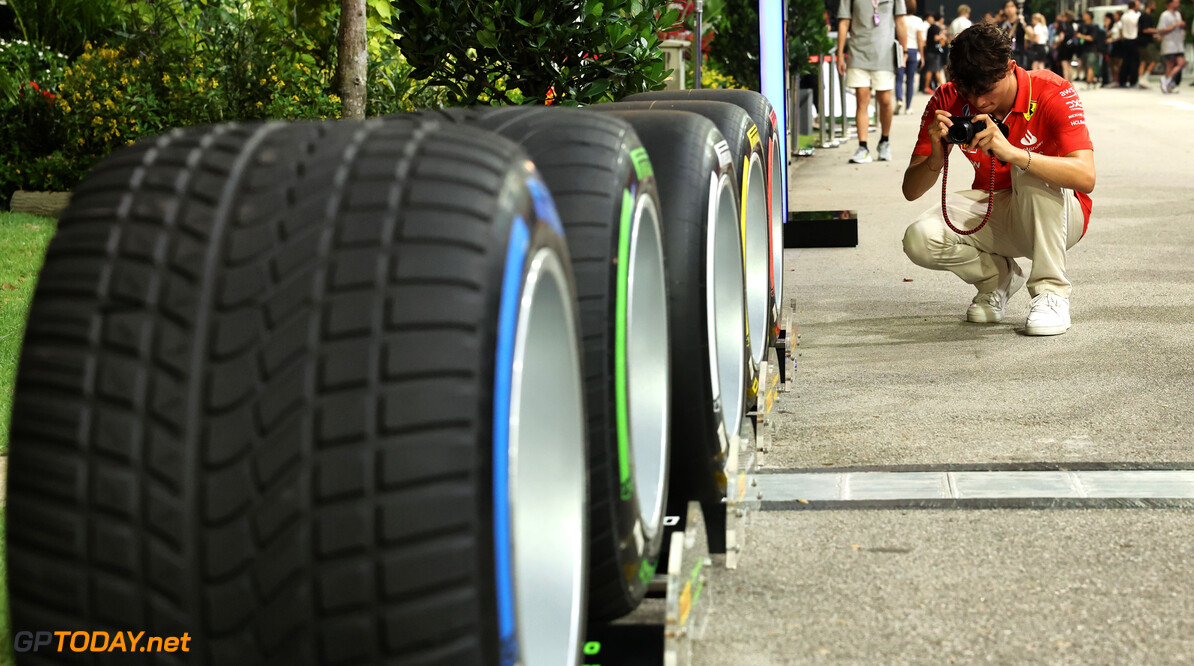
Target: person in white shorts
873, 27
1172, 29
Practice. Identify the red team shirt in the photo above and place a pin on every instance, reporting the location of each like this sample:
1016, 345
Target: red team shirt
1047, 118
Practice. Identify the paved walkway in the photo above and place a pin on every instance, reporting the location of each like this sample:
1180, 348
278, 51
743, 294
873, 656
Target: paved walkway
892, 379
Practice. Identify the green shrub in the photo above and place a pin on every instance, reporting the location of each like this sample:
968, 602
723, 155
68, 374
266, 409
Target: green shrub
567, 52
22, 62
66, 25
735, 49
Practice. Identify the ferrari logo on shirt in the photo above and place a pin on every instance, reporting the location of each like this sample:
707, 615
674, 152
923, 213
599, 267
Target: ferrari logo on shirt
1031, 110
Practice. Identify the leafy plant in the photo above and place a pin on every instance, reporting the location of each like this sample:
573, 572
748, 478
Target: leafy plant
735, 49
808, 35
66, 25
22, 62
565, 52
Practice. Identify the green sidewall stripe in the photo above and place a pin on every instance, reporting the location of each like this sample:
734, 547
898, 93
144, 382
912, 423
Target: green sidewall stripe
621, 388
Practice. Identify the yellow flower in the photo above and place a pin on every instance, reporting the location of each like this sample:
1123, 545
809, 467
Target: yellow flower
80, 141
95, 106
259, 105
274, 79
295, 98
262, 82
335, 98
165, 78
182, 79
214, 84
97, 121
136, 62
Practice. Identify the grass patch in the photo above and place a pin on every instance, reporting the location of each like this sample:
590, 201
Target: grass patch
23, 241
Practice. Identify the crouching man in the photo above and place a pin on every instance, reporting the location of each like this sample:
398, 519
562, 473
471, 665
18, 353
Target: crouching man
1043, 170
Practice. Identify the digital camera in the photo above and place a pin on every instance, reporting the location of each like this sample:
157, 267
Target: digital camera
964, 128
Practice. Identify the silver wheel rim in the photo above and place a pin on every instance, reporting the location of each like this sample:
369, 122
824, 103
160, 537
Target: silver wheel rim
725, 304
548, 469
647, 370
757, 258
778, 216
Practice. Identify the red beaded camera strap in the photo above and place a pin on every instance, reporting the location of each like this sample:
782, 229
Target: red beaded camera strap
990, 197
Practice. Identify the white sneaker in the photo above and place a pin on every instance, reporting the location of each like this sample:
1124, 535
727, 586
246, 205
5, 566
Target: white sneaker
1165, 84
884, 151
1050, 315
899, 106
861, 156
989, 306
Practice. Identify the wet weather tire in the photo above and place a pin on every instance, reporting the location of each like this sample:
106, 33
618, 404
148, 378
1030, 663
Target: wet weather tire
601, 180
706, 293
282, 389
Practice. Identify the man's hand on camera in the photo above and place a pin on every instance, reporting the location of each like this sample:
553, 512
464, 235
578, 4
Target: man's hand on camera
992, 141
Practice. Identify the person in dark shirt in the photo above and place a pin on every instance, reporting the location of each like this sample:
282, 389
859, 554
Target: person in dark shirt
934, 55
1017, 28
1065, 44
1149, 42
1091, 43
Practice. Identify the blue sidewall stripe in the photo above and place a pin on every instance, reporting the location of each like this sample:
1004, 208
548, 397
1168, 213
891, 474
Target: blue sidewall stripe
545, 207
512, 283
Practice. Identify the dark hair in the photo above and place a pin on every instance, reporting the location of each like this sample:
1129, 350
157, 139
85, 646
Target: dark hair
978, 58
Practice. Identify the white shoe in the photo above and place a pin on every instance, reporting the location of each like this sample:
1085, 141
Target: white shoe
1165, 84
899, 106
884, 151
989, 306
861, 156
1050, 315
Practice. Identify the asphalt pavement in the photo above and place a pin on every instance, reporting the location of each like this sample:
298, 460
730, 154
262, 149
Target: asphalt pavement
892, 377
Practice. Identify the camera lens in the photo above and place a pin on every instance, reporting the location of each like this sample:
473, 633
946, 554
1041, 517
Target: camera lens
961, 131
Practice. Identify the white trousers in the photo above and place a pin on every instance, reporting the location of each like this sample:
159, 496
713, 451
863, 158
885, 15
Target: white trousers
1032, 219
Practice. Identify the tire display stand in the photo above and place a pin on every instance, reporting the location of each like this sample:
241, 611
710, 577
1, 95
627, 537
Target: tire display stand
662, 630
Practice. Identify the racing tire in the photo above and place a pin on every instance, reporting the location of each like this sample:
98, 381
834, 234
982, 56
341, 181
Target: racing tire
738, 129
763, 115
308, 393
706, 292
602, 182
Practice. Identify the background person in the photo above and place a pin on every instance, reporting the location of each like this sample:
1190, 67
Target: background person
960, 23
1039, 49
906, 75
1129, 69
872, 27
1092, 41
1111, 64
1017, 28
1148, 41
1172, 29
1040, 206
934, 54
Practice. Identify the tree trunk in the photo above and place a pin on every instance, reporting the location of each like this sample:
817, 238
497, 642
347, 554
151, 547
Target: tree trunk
46, 204
353, 58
